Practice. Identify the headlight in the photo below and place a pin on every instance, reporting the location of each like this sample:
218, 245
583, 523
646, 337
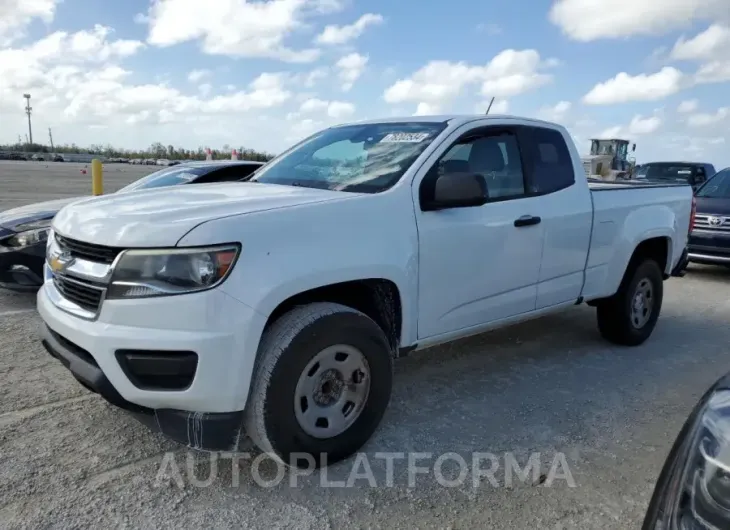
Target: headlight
693, 491
30, 234
145, 273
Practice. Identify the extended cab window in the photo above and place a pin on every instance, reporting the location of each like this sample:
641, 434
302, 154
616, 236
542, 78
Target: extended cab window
496, 158
552, 165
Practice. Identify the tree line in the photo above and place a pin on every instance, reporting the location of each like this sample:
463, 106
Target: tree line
156, 150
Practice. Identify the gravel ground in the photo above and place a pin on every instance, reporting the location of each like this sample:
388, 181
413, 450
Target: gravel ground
551, 386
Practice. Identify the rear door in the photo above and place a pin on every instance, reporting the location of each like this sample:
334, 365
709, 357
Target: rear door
566, 209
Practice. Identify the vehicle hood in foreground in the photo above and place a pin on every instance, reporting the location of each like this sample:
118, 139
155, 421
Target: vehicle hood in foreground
160, 217
39, 211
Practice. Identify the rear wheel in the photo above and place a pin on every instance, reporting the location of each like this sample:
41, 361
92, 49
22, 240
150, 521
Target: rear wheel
322, 383
629, 317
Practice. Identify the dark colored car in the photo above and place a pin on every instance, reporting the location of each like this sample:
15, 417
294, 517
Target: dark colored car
692, 173
709, 241
693, 489
24, 230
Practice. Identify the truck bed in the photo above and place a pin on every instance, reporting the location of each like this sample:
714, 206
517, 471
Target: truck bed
620, 217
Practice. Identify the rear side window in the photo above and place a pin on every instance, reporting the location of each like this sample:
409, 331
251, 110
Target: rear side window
551, 164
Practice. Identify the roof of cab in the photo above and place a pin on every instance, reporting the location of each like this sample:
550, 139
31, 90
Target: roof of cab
456, 119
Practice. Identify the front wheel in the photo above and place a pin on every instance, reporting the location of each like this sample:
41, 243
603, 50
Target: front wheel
321, 386
629, 317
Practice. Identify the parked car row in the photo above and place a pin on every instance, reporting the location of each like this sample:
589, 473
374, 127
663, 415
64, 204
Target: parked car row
273, 308
24, 231
154, 161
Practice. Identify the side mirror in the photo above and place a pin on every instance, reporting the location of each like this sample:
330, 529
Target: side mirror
457, 190
693, 490
633, 148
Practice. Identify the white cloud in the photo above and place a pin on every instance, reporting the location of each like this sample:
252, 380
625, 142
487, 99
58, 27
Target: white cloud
333, 109
350, 68
711, 48
73, 80
710, 44
340, 109
689, 105
205, 89
556, 113
236, 28
509, 73
342, 34
640, 125
16, 15
313, 105
624, 88
490, 29
588, 20
427, 109
713, 72
705, 119
196, 76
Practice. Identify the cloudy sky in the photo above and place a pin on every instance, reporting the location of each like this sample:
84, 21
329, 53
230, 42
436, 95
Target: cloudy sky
263, 74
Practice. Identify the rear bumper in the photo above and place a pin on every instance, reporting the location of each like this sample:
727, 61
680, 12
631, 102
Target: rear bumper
199, 430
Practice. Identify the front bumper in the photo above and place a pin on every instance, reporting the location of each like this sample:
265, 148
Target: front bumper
22, 269
206, 431
222, 332
709, 246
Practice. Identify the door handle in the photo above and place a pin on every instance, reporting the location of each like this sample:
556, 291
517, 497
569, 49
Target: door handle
527, 220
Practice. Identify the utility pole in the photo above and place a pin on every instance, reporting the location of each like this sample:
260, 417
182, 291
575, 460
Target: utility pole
50, 137
28, 108
488, 108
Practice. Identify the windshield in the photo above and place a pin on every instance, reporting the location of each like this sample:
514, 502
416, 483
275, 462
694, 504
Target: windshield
366, 158
680, 172
718, 187
166, 177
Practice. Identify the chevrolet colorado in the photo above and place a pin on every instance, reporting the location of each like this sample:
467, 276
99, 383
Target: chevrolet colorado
273, 309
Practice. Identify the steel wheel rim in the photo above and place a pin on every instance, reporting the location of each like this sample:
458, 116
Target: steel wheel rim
332, 391
642, 303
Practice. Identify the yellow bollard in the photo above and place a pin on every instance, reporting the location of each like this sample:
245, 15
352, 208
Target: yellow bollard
97, 179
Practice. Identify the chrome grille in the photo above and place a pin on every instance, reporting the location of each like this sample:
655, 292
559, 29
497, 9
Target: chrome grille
712, 222
88, 251
82, 293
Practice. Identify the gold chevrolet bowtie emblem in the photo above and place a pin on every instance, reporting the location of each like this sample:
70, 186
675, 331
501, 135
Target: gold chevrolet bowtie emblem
60, 262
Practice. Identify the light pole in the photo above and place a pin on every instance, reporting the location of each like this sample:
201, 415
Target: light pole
28, 108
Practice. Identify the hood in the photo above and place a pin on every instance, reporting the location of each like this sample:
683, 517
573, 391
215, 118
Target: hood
160, 217
710, 206
33, 212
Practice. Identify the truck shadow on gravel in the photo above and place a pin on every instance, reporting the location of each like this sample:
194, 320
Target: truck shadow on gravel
548, 386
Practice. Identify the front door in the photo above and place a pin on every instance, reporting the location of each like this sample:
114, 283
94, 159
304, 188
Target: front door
479, 264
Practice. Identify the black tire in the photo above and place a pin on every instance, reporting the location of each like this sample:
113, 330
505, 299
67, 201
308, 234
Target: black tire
615, 314
285, 350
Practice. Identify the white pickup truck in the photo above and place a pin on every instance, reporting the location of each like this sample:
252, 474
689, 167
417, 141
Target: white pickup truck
274, 308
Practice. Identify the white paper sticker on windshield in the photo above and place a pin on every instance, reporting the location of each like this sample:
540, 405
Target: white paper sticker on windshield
684, 172
404, 138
